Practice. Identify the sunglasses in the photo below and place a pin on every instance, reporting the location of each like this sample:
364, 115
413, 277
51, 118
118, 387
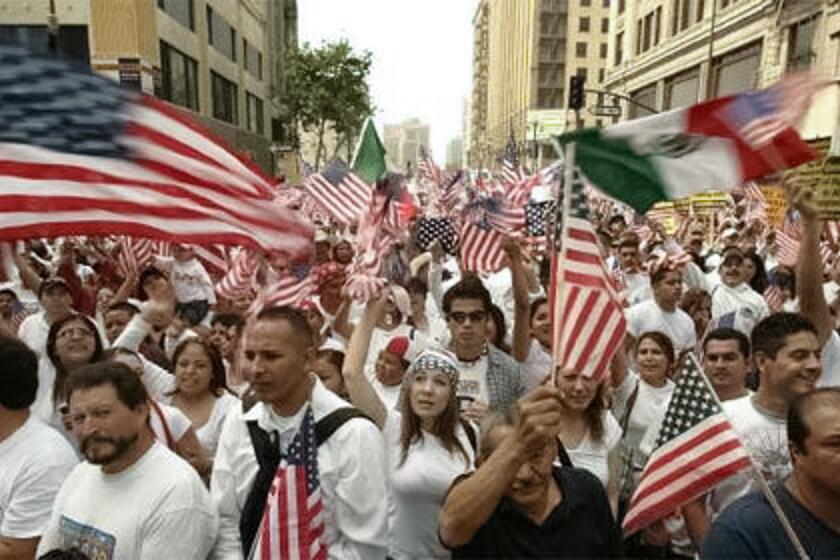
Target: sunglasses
475, 316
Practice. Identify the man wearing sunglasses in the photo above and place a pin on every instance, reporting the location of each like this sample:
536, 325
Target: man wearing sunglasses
489, 379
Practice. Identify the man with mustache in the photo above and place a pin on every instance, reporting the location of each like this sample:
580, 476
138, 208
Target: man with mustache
132, 498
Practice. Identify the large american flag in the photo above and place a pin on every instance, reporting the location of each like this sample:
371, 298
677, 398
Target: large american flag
511, 171
696, 449
292, 526
340, 192
79, 155
587, 314
239, 281
135, 254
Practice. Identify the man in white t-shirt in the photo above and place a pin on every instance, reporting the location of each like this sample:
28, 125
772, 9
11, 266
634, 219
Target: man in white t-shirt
636, 282
786, 354
662, 314
734, 302
34, 458
57, 303
132, 498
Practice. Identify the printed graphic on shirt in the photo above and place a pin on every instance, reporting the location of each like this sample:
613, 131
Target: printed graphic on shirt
95, 544
469, 388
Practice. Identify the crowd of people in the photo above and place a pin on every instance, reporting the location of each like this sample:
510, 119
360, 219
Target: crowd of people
143, 414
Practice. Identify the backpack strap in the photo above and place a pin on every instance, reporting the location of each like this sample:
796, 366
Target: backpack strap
170, 441
268, 456
628, 410
326, 426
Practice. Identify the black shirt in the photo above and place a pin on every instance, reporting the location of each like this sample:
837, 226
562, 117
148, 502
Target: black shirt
750, 529
581, 526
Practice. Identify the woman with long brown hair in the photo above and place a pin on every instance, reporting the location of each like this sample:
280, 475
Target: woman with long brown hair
428, 445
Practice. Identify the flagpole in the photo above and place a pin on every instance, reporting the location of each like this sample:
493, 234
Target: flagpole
559, 283
758, 477
359, 142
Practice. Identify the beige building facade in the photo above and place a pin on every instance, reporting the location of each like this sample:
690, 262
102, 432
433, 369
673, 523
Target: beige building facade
523, 55
403, 143
667, 54
220, 60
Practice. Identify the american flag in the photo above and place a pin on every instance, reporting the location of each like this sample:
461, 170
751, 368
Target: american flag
697, 448
773, 297
587, 314
292, 526
238, 283
788, 245
426, 168
340, 192
511, 171
481, 247
290, 291
136, 254
430, 230
760, 116
79, 155
214, 258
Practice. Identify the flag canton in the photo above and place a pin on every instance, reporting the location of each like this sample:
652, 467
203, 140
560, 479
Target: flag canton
578, 205
441, 229
335, 172
56, 105
510, 153
758, 116
691, 403
535, 216
303, 451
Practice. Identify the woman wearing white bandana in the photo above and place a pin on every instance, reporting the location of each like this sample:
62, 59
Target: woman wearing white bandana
428, 445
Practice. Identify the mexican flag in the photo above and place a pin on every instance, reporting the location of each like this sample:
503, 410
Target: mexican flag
369, 160
715, 145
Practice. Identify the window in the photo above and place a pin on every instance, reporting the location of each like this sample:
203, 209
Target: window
685, 13
648, 32
603, 53
220, 34
639, 33
580, 50
605, 3
225, 105
178, 77
605, 25
657, 22
621, 6
643, 98
582, 73
72, 39
736, 71
583, 25
253, 60
179, 10
800, 43
600, 75
585, 3
254, 113
619, 48
681, 90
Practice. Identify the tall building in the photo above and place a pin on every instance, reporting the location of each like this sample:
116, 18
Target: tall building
454, 153
220, 60
666, 54
523, 55
403, 143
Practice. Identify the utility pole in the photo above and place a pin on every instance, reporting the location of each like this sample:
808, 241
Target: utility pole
52, 29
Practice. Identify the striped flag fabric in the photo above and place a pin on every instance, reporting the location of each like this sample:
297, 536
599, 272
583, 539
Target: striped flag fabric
511, 171
697, 448
292, 526
427, 169
587, 313
773, 297
340, 192
136, 254
788, 245
79, 155
238, 283
481, 247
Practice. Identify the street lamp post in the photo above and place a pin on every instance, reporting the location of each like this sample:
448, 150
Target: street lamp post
52, 29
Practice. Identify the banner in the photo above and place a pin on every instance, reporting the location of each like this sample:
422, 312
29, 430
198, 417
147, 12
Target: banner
823, 176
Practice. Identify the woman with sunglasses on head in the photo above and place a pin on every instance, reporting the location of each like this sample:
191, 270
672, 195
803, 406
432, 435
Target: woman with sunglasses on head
428, 446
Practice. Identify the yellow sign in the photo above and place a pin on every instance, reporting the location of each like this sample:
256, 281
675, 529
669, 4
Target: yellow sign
776, 204
664, 213
823, 176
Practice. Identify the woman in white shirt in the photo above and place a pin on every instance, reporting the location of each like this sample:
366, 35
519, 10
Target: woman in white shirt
428, 446
589, 432
200, 392
640, 402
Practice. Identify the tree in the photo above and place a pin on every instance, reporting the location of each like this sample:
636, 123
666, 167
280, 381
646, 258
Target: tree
327, 88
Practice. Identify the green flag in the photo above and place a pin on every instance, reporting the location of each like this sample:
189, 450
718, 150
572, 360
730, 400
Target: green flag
369, 161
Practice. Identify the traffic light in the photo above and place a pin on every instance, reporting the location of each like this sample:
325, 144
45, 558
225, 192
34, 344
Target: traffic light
577, 98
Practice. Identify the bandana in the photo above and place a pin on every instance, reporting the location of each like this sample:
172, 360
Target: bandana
436, 360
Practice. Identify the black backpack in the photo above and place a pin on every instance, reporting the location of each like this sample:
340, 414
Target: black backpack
268, 457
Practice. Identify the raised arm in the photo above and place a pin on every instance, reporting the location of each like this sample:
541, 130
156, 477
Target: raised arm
362, 394
809, 279
521, 321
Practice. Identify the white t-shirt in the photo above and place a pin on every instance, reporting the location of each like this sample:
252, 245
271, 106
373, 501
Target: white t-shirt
592, 454
830, 360
472, 379
638, 288
157, 508
765, 438
176, 422
34, 331
647, 413
537, 366
208, 434
831, 290
677, 325
34, 461
390, 394
749, 306
417, 488
189, 279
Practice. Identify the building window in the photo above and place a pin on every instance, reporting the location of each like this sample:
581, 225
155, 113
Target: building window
583, 25
639, 34
603, 53
179, 10
605, 3
605, 25
253, 60
582, 72
225, 101
580, 50
254, 113
220, 34
800, 43
600, 75
642, 99
72, 40
682, 90
736, 71
619, 48
585, 3
685, 13
178, 77
621, 6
